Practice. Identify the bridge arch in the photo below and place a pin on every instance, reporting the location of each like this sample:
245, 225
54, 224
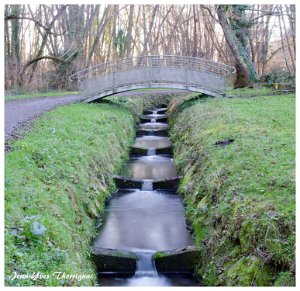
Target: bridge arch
153, 71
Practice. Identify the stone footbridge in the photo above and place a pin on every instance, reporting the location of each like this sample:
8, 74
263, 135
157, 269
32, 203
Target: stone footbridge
153, 71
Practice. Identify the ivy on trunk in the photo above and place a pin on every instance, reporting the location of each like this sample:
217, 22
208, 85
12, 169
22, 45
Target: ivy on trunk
236, 28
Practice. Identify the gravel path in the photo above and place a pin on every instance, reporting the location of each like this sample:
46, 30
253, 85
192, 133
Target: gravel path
19, 114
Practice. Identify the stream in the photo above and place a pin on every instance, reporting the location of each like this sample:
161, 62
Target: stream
144, 221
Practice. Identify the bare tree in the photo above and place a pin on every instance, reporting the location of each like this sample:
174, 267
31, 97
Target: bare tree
57, 40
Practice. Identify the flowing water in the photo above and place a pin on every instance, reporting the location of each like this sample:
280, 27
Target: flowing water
153, 126
147, 185
151, 152
154, 116
145, 221
150, 167
152, 142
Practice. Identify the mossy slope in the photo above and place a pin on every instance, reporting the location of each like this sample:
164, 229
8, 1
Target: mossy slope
56, 182
240, 197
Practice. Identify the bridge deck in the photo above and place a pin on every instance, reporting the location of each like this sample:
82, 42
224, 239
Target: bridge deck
176, 72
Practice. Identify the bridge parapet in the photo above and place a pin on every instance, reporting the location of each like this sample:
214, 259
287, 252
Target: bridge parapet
194, 74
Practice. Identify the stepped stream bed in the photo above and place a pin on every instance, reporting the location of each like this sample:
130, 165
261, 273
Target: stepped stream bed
144, 221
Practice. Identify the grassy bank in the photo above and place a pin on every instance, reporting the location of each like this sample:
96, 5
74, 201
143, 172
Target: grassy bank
38, 95
254, 92
240, 196
249, 92
56, 182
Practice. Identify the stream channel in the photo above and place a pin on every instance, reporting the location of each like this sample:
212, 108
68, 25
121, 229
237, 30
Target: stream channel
144, 220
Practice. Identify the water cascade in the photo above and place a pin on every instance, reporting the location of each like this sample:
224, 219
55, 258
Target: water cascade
144, 220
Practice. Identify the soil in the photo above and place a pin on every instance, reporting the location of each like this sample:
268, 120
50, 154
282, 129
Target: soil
224, 143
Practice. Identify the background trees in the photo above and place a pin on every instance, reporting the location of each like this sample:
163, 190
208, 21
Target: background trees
44, 44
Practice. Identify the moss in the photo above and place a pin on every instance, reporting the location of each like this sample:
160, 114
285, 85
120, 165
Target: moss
210, 276
174, 261
241, 197
248, 271
200, 232
285, 279
159, 255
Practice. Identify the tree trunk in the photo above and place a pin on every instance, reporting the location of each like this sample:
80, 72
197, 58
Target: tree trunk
15, 43
148, 34
129, 31
195, 32
243, 78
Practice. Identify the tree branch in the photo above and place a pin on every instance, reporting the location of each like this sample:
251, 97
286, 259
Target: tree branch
210, 13
12, 17
55, 59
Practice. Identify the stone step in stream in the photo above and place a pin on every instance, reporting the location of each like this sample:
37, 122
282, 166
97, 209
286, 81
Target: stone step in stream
144, 226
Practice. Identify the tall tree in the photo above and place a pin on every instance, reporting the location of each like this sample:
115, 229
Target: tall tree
15, 42
236, 26
147, 33
129, 31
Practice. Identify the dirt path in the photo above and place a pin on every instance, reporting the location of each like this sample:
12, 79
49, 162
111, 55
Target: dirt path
19, 114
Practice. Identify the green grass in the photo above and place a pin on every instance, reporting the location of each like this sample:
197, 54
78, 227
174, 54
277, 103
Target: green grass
38, 95
252, 92
240, 198
58, 177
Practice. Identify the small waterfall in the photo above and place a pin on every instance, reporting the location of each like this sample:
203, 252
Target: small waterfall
147, 185
147, 220
151, 152
145, 265
146, 273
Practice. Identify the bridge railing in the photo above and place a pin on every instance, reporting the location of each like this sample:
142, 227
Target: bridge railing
152, 61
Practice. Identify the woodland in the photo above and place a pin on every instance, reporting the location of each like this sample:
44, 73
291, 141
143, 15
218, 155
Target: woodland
45, 44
